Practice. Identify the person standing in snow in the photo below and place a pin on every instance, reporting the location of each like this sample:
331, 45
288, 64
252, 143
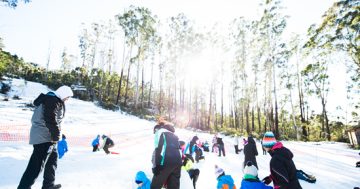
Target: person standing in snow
224, 181
236, 144
250, 179
166, 157
221, 146
62, 146
96, 143
44, 134
142, 181
250, 151
107, 143
282, 167
187, 165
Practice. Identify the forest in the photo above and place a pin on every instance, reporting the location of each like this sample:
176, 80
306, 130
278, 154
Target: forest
248, 80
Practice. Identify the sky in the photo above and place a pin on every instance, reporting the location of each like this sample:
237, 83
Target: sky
32, 29
332, 163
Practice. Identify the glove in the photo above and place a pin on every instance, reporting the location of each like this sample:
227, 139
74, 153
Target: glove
156, 170
267, 180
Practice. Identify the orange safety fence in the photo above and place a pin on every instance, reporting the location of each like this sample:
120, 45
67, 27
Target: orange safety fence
20, 133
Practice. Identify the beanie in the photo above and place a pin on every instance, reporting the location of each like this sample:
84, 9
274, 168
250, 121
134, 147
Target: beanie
250, 169
269, 140
218, 171
64, 92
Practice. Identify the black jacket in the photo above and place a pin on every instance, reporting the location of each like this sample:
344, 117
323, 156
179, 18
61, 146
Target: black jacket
250, 151
282, 168
45, 122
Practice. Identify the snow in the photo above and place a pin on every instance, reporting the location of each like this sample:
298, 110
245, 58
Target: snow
332, 163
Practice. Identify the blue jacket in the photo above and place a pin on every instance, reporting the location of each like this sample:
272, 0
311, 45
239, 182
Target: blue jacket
140, 176
225, 182
96, 141
247, 184
62, 148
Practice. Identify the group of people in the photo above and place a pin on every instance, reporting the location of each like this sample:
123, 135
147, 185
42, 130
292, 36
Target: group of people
167, 158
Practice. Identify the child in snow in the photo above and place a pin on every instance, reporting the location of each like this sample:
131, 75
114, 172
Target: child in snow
282, 167
142, 181
188, 167
62, 146
251, 180
304, 176
205, 146
107, 143
224, 181
96, 143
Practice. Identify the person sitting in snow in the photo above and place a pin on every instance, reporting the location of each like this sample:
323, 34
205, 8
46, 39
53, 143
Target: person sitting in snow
62, 146
187, 165
96, 143
107, 143
304, 176
251, 180
205, 146
224, 181
142, 181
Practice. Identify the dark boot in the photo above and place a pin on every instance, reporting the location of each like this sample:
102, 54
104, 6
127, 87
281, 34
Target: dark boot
56, 186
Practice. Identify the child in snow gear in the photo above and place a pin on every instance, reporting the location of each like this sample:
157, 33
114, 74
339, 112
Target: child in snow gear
188, 167
62, 146
194, 148
251, 180
107, 143
44, 134
282, 167
166, 157
96, 143
304, 176
250, 152
214, 147
205, 146
142, 181
224, 181
262, 147
236, 144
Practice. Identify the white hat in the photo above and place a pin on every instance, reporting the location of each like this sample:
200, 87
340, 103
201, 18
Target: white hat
218, 171
64, 92
250, 169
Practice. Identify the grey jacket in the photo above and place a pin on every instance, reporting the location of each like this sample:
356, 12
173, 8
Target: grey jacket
45, 122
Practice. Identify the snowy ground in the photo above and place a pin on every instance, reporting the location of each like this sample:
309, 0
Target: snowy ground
332, 163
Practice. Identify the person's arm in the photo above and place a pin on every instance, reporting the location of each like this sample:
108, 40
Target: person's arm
52, 109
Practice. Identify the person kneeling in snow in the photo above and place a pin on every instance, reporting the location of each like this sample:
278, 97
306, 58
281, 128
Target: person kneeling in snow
224, 181
62, 146
142, 181
96, 143
107, 143
188, 167
251, 180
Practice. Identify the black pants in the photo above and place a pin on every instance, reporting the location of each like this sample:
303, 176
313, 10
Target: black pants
106, 148
169, 175
95, 148
221, 149
236, 149
44, 154
194, 175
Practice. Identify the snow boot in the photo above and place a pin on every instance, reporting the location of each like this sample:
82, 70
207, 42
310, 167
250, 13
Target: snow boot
56, 186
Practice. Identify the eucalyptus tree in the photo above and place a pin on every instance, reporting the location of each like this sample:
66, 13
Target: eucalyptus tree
317, 80
12, 3
272, 25
340, 28
138, 24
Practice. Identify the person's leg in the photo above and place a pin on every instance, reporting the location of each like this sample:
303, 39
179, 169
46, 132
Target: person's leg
173, 180
106, 149
95, 148
196, 174
35, 165
50, 168
159, 180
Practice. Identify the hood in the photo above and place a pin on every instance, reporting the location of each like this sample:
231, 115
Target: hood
41, 98
194, 139
279, 149
141, 177
251, 140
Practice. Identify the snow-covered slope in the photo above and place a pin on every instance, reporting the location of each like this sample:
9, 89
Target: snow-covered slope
332, 163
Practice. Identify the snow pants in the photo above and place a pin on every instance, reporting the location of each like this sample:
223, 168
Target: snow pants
169, 175
44, 154
221, 149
